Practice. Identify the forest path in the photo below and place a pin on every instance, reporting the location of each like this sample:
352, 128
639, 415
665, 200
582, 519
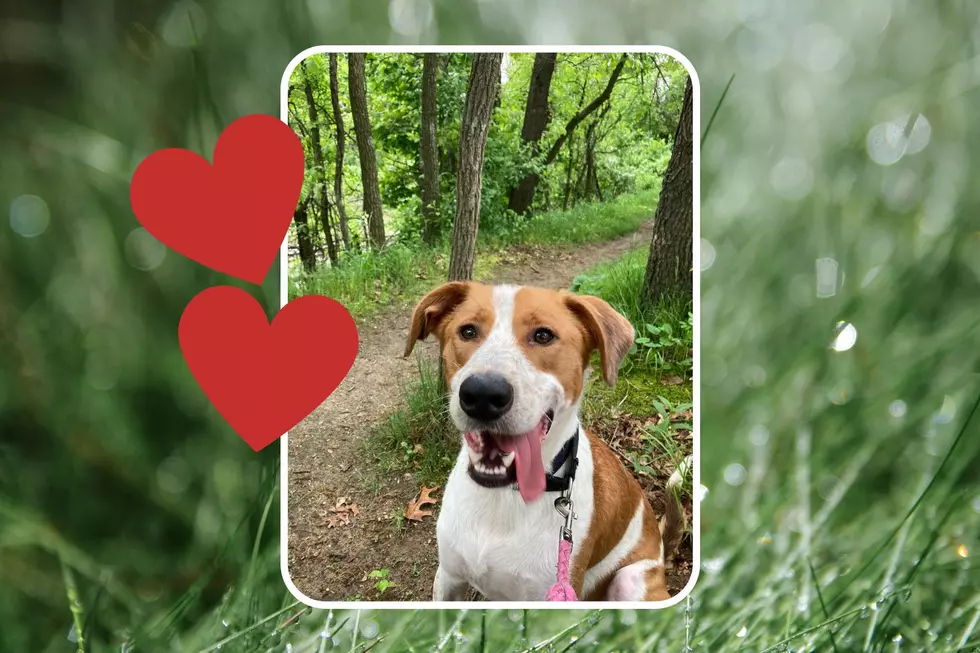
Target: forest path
326, 462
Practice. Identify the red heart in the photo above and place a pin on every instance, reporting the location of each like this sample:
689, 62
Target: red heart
264, 378
233, 216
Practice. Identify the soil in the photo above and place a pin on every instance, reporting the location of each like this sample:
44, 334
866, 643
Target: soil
333, 550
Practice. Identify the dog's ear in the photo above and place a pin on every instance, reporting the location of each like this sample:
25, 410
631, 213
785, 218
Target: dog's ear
432, 309
610, 333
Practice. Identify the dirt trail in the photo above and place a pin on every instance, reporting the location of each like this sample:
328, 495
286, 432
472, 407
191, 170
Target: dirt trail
325, 460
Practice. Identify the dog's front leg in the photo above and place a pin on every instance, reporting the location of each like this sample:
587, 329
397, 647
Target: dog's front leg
448, 587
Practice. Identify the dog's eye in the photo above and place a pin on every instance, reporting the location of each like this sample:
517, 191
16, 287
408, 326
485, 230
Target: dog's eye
468, 332
543, 336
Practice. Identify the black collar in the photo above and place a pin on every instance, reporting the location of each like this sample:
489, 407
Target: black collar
569, 450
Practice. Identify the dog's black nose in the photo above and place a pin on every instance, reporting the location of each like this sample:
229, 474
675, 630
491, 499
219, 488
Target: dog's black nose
486, 397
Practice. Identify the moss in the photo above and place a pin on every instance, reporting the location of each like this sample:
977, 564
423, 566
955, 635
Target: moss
637, 388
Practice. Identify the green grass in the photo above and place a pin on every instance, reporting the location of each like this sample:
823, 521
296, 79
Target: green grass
828, 525
419, 437
367, 282
586, 223
654, 386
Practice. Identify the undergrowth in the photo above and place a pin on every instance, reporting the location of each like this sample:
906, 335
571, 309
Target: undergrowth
366, 282
419, 437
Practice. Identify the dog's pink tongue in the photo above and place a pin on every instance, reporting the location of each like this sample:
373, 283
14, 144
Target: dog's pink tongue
527, 459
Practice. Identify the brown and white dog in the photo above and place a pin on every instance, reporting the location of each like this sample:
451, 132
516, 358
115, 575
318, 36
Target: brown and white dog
515, 360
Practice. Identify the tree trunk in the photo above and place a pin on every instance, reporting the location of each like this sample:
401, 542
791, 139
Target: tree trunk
568, 173
365, 150
670, 265
584, 113
302, 220
429, 152
338, 177
480, 97
321, 174
536, 117
592, 138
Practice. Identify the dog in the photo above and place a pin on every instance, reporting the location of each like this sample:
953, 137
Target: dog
515, 362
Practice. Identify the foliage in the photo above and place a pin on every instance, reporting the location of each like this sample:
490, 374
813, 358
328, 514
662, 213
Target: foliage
654, 379
381, 577
839, 505
580, 224
368, 281
631, 152
419, 437
665, 349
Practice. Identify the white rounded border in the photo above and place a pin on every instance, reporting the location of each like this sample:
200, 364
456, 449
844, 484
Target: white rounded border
696, 240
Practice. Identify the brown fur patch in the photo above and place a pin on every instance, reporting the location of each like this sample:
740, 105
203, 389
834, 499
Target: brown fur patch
567, 355
477, 310
432, 309
616, 495
443, 311
611, 333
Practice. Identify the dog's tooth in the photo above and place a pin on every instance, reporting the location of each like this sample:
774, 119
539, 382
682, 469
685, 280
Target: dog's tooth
508, 458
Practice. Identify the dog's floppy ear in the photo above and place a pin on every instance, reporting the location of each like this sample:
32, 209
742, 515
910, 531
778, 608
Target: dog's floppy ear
432, 309
611, 333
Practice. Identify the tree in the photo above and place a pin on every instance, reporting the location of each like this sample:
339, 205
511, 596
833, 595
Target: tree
480, 98
536, 115
587, 111
429, 150
306, 253
365, 150
338, 178
321, 172
532, 181
671, 261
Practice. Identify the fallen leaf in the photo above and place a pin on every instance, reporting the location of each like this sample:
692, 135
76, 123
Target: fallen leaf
342, 512
339, 519
414, 510
672, 380
418, 448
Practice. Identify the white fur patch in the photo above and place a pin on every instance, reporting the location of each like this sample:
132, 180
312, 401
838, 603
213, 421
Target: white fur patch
629, 583
535, 392
494, 542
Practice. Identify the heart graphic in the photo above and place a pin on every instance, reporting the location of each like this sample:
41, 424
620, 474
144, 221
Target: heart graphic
233, 216
248, 367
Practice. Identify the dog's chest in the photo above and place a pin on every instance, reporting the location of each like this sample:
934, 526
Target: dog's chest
505, 549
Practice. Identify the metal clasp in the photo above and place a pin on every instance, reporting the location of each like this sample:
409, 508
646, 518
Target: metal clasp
563, 504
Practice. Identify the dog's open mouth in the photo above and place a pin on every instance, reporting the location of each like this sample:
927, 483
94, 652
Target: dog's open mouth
498, 459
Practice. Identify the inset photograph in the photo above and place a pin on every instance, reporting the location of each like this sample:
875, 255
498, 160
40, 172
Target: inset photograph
514, 233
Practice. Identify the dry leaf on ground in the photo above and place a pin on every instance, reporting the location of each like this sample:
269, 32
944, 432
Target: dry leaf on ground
340, 519
414, 510
342, 512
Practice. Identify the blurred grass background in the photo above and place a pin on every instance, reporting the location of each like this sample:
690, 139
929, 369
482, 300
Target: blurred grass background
841, 508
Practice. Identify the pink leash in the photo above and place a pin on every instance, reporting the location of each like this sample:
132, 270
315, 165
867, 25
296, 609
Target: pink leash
562, 590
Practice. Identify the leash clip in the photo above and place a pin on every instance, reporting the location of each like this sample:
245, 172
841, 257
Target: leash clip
563, 504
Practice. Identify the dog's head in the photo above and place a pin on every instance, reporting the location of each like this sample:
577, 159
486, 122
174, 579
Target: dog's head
515, 361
